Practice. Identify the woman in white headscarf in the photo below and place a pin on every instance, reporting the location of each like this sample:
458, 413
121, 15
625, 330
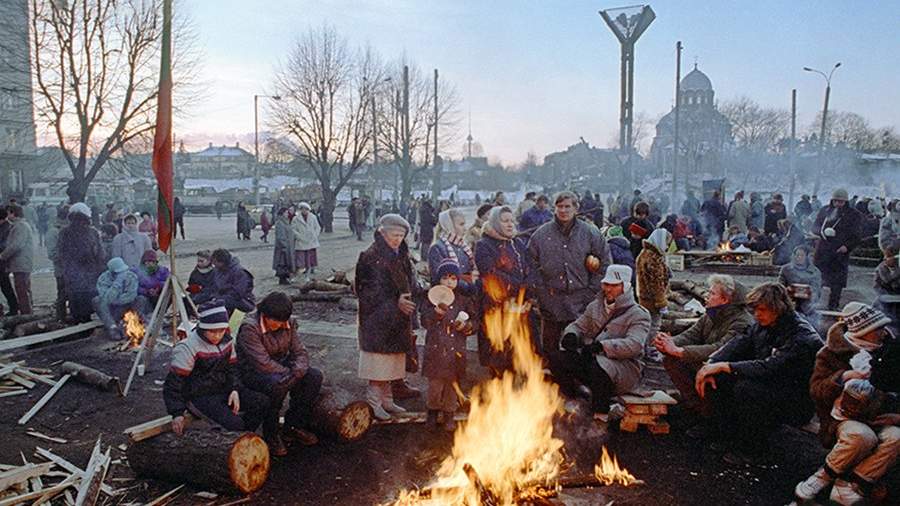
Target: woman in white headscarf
449, 242
306, 231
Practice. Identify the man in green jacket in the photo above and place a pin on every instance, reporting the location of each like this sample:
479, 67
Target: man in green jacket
683, 355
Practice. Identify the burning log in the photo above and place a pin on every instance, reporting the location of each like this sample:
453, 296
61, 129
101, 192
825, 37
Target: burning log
485, 496
92, 377
37, 327
340, 415
230, 462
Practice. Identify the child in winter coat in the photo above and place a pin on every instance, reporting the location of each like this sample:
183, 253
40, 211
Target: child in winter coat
887, 285
447, 327
653, 283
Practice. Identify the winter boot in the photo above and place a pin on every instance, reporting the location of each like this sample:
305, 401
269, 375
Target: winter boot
373, 397
846, 493
387, 401
809, 488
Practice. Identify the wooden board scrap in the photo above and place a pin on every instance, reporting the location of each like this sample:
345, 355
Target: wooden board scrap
10, 344
44, 400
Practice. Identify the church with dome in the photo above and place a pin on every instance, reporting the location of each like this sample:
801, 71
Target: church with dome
704, 133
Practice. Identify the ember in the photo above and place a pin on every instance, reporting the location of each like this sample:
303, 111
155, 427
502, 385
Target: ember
608, 471
134, 328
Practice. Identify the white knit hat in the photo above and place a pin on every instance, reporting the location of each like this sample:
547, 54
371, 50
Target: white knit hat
862, 318
80, 208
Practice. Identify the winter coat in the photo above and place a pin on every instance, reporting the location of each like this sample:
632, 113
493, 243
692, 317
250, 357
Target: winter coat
780, 355
887, 279
178, 209
636, 240
382, 275
117, 289
774, 213
264, 224
306, 232
202, 280
504, 261
784, 248
427, 222
534, 217
274, 354
809, 274
624, 332
438, 252
199, 368
82, 257
757, 214
18, 252
151, 285
714, 214
888, 232
232, 286
620, 251
803, 209
826, 383
523, 207
846, 224
691, 207
557, 271
283, 254
51, 243
652, 278
739, 215
445, 346
130, 247
714, 329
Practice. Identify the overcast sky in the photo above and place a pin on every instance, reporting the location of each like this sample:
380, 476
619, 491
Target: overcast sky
537, 74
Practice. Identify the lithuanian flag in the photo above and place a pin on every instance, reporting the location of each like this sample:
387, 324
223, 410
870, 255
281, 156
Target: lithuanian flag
162, 142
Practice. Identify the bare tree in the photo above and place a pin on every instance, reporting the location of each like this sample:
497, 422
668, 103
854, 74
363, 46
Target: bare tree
849, 129
755, 128
95, 69
410, 145
325, 88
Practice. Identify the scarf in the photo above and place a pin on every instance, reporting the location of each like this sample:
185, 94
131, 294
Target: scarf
451, 239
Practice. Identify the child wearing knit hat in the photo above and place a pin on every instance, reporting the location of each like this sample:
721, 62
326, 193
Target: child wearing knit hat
447, 327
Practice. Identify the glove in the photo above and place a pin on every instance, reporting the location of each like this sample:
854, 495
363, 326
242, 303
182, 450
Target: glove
569, 342
594, 348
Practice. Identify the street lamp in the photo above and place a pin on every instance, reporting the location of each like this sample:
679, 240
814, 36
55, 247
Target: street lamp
824, 116
256, 141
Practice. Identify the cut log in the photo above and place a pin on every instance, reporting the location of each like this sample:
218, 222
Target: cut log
11, 322
323, 286
37, 327
317, 297
44, 400
340, 415
19, 342
93, 377
348, 304
219, 460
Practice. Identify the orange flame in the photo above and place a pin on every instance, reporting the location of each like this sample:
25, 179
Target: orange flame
608, 471
134, 328
507, 440
724, 247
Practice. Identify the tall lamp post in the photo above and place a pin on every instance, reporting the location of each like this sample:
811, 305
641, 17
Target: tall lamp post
627, 24
256, 141
824, 118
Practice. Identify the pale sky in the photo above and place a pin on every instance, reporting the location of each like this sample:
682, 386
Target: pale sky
537, 74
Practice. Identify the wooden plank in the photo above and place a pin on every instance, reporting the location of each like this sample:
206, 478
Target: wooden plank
413, 417
657, 397
10, 344
46, 437
659, 428
22, 474
27, 373
11, 393
7, 370
160, 499
19, 499
44, 400
22, 381
70, 467
641, 419
92, 479
152, 428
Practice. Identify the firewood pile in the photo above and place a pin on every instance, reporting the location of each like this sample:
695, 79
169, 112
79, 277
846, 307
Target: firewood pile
56, 480
686, 300
337, 288
18, 379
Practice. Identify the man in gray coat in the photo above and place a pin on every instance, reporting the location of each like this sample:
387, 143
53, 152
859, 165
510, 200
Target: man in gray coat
739, 213
602, 348
568, 257
18, 255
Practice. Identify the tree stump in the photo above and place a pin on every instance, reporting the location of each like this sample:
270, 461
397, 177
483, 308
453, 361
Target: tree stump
231, 462
91, 376
340, 415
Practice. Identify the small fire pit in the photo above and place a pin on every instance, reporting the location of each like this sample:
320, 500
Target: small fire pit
134, 330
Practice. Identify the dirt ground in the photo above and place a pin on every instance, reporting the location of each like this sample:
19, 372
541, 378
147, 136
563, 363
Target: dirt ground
676, 469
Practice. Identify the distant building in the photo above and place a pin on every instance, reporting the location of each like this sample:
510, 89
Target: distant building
17, 133
704, 132
583, 165
216, 162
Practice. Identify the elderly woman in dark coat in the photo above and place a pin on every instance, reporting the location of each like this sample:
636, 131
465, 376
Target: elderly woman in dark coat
283, 256
386, 286
838, 227
501, 258
82, 259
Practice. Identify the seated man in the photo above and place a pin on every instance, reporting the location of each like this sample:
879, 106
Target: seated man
726, 317
863, 448
274, 362
151, 279
602, 348
232, 284
202, 379
760, 379
117, 291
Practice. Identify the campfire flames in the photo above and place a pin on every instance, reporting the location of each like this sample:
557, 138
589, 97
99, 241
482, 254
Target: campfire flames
724, 247
134, 328
608, 471
505, 453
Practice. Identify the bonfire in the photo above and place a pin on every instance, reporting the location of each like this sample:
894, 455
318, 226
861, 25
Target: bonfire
134, 329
